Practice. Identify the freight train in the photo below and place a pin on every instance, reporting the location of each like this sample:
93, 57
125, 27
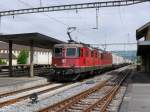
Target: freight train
73, 60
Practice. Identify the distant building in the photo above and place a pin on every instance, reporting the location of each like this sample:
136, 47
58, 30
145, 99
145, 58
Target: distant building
41, 56
5, 58
143, 38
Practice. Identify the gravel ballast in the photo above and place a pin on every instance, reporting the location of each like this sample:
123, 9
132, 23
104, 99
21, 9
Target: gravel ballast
54, 96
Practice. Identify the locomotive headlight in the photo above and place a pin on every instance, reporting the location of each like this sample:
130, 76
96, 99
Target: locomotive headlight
63, 60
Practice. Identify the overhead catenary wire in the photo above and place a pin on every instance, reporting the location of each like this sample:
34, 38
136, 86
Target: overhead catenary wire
40, 3
52, 18
0, 23
123, 25
88, 5
97, 11
27, 4
97, 19
31, 23
65, 24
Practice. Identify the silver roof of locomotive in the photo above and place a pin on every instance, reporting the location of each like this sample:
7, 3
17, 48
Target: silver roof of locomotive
77, 45
69, 45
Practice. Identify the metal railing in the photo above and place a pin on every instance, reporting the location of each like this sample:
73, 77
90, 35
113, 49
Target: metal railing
24, 69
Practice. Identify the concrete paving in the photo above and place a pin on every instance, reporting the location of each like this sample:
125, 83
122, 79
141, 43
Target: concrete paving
137, 98
8, 84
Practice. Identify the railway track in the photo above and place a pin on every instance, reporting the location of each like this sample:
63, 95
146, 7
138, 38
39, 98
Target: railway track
23, 97
22, 90
94, 99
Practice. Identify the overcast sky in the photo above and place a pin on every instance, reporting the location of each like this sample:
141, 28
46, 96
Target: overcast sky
116, 25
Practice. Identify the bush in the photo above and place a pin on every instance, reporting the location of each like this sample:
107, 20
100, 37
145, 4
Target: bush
2, 62
23, 57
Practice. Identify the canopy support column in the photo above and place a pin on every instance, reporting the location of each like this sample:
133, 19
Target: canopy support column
10, 58
31, 60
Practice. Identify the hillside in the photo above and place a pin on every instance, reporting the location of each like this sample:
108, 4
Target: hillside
127, 54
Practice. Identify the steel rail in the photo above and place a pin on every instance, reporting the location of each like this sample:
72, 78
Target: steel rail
105, 101
72, 7
72, 100
23, 90
68, 103
12, 101
90, 108
110, 98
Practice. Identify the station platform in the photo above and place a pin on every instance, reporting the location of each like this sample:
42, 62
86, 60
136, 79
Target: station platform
9, 84
137, 97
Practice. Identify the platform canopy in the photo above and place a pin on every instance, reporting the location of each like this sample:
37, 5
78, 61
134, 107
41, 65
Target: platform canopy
28, 39
142, 31
38, 40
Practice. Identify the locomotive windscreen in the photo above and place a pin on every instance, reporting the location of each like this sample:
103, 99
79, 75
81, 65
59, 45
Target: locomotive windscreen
71, 52
58, 52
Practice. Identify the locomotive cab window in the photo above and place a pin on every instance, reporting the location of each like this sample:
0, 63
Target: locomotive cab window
58, 52
71, 52
78, 52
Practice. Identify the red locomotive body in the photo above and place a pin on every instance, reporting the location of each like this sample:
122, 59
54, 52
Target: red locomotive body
106, 58
72, 60
67, 55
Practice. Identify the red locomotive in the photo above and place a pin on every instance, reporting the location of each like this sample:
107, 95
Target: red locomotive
72, 60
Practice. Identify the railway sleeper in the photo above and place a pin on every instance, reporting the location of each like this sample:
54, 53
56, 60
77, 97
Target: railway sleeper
112, 109
84, 103
89, 100
76, 108
97, 109
70, 110
98, 102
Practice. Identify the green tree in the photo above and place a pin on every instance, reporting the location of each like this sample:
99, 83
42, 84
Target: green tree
2, 62
23, 57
